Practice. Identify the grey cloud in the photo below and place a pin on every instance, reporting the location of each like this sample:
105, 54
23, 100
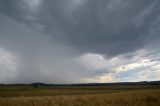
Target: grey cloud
61, 30
106, 27
39, 58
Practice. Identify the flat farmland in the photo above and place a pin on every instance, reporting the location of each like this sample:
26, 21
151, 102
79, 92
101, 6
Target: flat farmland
114, 95
13, 91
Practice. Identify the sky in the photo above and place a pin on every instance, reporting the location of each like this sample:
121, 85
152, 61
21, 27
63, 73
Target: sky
79, 41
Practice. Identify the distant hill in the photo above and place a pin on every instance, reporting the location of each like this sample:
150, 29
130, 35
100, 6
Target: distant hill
93, 84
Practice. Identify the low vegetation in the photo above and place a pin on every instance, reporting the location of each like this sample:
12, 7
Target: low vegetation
129, 98
80, 95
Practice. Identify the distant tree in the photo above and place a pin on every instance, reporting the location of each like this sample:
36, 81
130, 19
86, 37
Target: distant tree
35, 86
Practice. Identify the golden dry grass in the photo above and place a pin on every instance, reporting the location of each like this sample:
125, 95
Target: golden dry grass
129, 98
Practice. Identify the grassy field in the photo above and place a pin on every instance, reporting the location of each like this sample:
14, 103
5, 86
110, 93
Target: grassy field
117, 95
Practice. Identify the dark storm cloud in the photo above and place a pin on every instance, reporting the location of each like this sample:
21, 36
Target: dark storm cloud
110, 27
49, 34
39, 58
